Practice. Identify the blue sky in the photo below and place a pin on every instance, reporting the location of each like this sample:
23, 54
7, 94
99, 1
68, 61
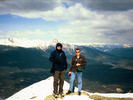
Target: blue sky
71, 21
13, 22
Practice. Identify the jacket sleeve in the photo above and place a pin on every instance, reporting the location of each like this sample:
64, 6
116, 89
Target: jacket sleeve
52, 57
65, 61
72, 64
84, 62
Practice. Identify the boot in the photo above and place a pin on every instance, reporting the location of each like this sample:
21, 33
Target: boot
69, 92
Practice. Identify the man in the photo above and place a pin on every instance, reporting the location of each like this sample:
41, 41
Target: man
58, 59
77, 66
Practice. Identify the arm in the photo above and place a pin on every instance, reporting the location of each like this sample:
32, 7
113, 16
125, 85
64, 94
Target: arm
84, 62
72, 64
65, 61
52, 57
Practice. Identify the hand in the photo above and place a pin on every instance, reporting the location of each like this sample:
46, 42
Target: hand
77, 64
69, 73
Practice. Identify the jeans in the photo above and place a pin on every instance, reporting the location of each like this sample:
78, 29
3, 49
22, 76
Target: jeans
72, 78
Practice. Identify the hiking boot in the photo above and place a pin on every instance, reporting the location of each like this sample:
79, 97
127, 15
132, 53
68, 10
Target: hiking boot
55, 95
79, 93
68, 92
62, 95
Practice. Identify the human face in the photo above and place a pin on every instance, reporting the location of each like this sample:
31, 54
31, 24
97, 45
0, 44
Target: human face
59, 48
77, 52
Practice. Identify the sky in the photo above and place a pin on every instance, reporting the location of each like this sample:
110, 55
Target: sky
70, 21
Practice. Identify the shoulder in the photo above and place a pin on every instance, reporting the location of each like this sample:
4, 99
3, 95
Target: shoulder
82, 56
53, 52
63, 52
74, 57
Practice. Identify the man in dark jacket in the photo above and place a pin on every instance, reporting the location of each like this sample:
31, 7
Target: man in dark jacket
58, 59
77, 66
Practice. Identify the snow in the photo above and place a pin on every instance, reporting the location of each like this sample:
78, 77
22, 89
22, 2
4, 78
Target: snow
76, 97
44, 88
117, 95
33, 43
39, 91
23, 42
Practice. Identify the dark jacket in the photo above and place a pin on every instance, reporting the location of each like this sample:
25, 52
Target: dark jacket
75, 60
58, 59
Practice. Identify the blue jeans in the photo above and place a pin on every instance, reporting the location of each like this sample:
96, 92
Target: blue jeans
72, 78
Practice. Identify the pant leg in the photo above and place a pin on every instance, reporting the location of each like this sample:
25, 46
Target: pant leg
55, 83
79, 77
72, 78
61, 82
74, 85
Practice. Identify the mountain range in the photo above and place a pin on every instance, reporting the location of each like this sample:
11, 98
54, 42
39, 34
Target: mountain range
106, 70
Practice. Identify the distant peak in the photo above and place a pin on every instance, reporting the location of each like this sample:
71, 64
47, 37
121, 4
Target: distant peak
10, 40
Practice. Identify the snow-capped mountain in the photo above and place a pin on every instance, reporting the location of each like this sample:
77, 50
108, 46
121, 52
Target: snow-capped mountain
24, 43
33, 43
68, 47
44, 44
44, 88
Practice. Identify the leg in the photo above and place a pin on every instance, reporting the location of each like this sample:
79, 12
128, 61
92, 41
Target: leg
79, 76
61, 82
55, 84
74, 85
72, 78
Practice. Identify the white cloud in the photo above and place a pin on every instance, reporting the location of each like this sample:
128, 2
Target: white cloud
27, 32
59, 13
82, 23
90, 26
31, 34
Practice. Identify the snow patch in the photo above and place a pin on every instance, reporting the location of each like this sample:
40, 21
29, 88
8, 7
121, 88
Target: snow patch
117, 95
37, 91
44, 88
76, 97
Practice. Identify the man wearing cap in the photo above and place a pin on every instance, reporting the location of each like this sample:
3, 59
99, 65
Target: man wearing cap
58, 59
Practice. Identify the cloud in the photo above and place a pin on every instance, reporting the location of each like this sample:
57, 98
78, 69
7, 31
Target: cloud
108, 27
59, 13
85, 23
27, 6
104, 5
26, 33
3, 34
